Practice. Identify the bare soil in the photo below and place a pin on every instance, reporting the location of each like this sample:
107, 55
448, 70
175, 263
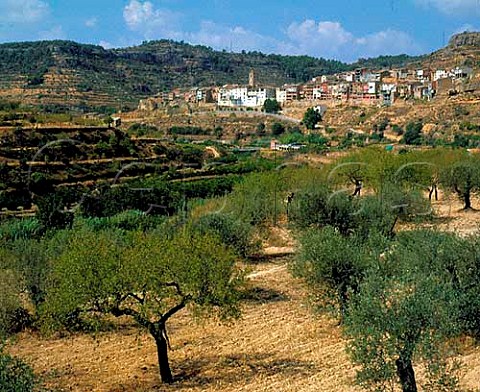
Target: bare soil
279, 344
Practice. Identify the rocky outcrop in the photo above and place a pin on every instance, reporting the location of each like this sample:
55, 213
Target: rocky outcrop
465, 39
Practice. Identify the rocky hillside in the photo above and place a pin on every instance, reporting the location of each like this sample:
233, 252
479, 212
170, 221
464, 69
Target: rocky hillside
69, 74
65, 74
462, 50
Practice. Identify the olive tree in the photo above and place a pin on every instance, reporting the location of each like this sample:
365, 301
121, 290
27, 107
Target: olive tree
16, 375
464, 179
9, 300
147, 277
406, 309
333, 266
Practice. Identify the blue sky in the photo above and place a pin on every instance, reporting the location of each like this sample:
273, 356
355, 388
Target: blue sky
340, 29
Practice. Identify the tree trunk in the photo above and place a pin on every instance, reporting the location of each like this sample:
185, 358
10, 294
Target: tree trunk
343, 298
467, 201
162, 352
406, 374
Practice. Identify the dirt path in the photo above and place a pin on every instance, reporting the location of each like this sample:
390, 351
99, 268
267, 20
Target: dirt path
279, 345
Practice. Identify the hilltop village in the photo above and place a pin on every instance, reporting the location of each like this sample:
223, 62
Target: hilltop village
381, 88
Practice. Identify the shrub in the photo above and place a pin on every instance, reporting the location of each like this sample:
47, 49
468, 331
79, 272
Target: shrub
15, 375
397, 129
413, 133
130, 220
277, 129
333, 265
231, 231
20, 229
256, 200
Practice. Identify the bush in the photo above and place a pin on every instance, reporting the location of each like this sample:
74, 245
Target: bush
9, 300
256, 200
333, 265
271, 106
231, 231
397, 129
361, 216
406, 204
311, 117
142, 130
277, 129
51, 214
29, 259
413, 133
15, 375
130, 220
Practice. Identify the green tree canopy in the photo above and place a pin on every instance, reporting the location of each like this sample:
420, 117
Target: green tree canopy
413, 133
405, 311
277, 128
464, 179
271, 106
148, 277
311, 118
333, 265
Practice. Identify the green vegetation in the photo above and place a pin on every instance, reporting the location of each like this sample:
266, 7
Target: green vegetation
463, 178
147, 277
277, 129
387, 61
402, 297
311, 118
413, 133
155, 66
271, 106
140, 130
152, 247
15, 375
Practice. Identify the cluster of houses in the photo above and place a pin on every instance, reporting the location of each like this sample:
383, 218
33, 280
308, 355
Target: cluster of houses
361, 85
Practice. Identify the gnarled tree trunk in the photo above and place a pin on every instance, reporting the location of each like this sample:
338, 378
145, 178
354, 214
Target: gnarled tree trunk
406, 374
158, 332
467, 201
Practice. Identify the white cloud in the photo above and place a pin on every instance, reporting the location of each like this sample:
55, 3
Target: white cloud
91, 22
236, 38
327, 39
105, 44
331, 40
387, 42
451, 7
151, 22
23, 11
55, 32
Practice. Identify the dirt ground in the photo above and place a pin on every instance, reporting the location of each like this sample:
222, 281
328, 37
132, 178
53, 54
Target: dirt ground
450, 216
278, 345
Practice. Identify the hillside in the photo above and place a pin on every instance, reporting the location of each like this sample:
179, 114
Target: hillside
69, 74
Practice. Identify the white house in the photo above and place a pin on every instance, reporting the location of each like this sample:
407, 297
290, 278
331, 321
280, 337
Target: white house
244, 96
463, 72
281, 95
440, 74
